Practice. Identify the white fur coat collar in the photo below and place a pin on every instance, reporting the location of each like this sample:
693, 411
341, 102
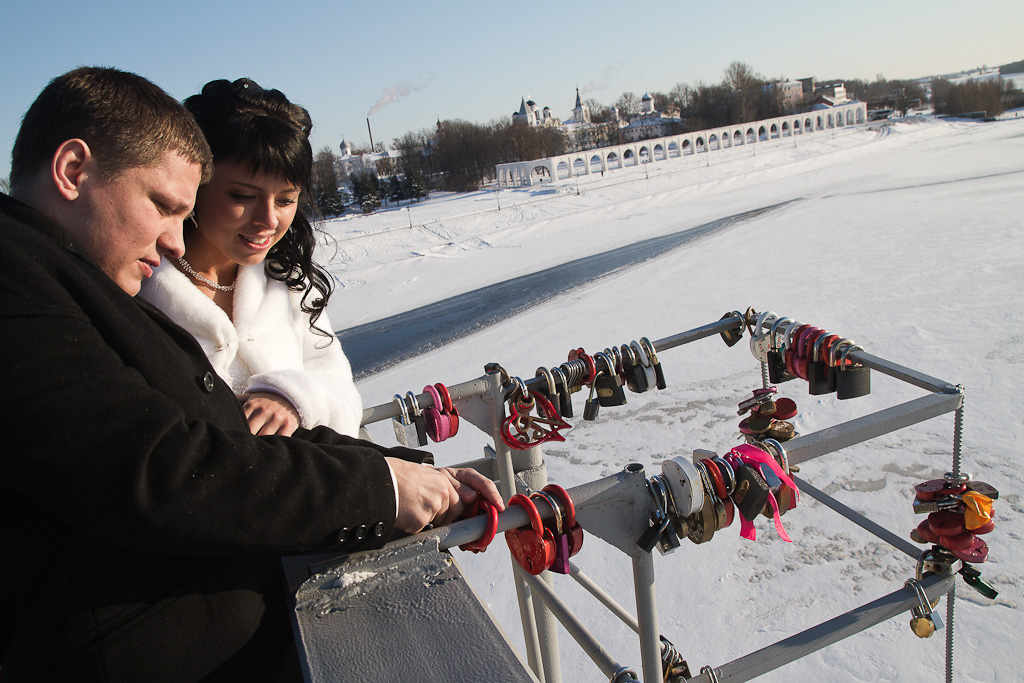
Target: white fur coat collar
268, 347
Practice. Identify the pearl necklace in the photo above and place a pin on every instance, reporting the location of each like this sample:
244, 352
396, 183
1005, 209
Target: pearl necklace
202, 278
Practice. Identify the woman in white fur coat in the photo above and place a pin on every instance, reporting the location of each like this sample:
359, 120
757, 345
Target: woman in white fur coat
247, 288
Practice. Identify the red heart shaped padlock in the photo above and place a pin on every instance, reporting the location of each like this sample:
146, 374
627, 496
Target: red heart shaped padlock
937, 488
532, 547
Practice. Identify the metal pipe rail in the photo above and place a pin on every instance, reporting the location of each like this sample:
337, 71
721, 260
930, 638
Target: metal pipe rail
617, 510
827, 633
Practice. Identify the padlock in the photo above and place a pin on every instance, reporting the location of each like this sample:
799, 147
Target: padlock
806, 350
405, 428
645, 362
732, 337
636, 377
448, 407
786, 497
852, 381
785, 409
715, 475
550, 388
669, 540
945, 523
727, 474
751, 492
533, 547
730, 512
780, 430
651, 537
574, 530
684, 484
481, 506
973, 579
776, 365
436, 420
759, 341
982, 488
762, 397
521, 430
711, 490
702, 524
774, 486
417, 418
607, 383
659, 489
652, 355
924, 621
789, 344
560, 562
820, 380
592, 406
564, 404
937, 488
755, 424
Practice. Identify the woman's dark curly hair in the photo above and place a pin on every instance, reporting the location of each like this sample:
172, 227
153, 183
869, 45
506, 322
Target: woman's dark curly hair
245, 124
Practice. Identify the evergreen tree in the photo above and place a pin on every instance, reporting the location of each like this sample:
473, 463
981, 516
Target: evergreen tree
325, 184
365, 190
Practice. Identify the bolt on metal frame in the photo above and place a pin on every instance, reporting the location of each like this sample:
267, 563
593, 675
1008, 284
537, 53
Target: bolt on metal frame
616, 509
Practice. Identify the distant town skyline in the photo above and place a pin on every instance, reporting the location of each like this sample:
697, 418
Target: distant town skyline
406, 64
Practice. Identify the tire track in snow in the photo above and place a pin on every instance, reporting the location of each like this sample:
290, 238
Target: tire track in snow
376, 346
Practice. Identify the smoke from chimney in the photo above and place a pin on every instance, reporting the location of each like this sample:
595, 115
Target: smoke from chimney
396, 92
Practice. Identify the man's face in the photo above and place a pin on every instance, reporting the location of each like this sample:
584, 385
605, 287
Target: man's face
126, 224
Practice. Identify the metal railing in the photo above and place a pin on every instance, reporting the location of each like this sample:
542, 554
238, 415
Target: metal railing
618, 508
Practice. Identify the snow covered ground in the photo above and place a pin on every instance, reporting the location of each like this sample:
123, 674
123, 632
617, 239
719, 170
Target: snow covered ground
909, 240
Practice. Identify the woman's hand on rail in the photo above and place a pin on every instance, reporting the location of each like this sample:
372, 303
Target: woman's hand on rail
269, 413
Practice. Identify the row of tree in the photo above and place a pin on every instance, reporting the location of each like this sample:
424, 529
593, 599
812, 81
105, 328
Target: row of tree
992, 97
898, 95
460, 155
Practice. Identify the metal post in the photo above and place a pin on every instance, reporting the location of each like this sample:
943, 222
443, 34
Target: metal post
507, 488
647, 616
604, 660
529, 465
958, 438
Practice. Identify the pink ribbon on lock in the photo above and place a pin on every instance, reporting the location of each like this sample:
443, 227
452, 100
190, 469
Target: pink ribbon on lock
748, 454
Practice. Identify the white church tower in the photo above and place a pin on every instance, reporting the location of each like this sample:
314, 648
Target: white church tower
581, 112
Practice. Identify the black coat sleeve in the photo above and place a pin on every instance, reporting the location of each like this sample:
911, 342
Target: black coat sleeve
117, 425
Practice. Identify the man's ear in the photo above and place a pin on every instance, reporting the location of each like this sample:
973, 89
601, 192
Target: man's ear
71, 162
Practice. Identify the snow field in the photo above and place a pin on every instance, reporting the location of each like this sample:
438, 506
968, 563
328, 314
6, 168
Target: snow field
910, 243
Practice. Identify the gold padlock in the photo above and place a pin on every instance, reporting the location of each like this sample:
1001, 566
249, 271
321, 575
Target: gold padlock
923, 627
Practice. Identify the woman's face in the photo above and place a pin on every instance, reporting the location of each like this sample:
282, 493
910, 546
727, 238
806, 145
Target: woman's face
240, 216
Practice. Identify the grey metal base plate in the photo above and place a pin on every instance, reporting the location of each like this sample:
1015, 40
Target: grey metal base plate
402, 613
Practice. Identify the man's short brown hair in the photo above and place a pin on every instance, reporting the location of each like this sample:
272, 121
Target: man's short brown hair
126, 120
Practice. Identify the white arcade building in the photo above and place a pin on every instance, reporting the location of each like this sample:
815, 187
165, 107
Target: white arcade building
586, 162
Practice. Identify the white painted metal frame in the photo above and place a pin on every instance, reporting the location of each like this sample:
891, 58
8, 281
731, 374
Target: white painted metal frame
616, 509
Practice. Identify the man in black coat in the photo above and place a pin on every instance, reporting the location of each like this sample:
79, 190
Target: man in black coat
142, 522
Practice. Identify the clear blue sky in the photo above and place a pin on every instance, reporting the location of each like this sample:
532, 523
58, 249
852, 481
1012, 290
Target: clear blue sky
475, 60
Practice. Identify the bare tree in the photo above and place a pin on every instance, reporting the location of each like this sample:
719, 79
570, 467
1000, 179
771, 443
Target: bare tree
627, 104
5, 185
747, 86
599, 113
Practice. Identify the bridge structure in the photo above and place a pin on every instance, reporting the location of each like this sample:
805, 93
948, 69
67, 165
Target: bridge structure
600, 160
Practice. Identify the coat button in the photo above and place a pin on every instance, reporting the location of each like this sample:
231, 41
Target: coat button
378, 529
360, 532
208, 382
342, 534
